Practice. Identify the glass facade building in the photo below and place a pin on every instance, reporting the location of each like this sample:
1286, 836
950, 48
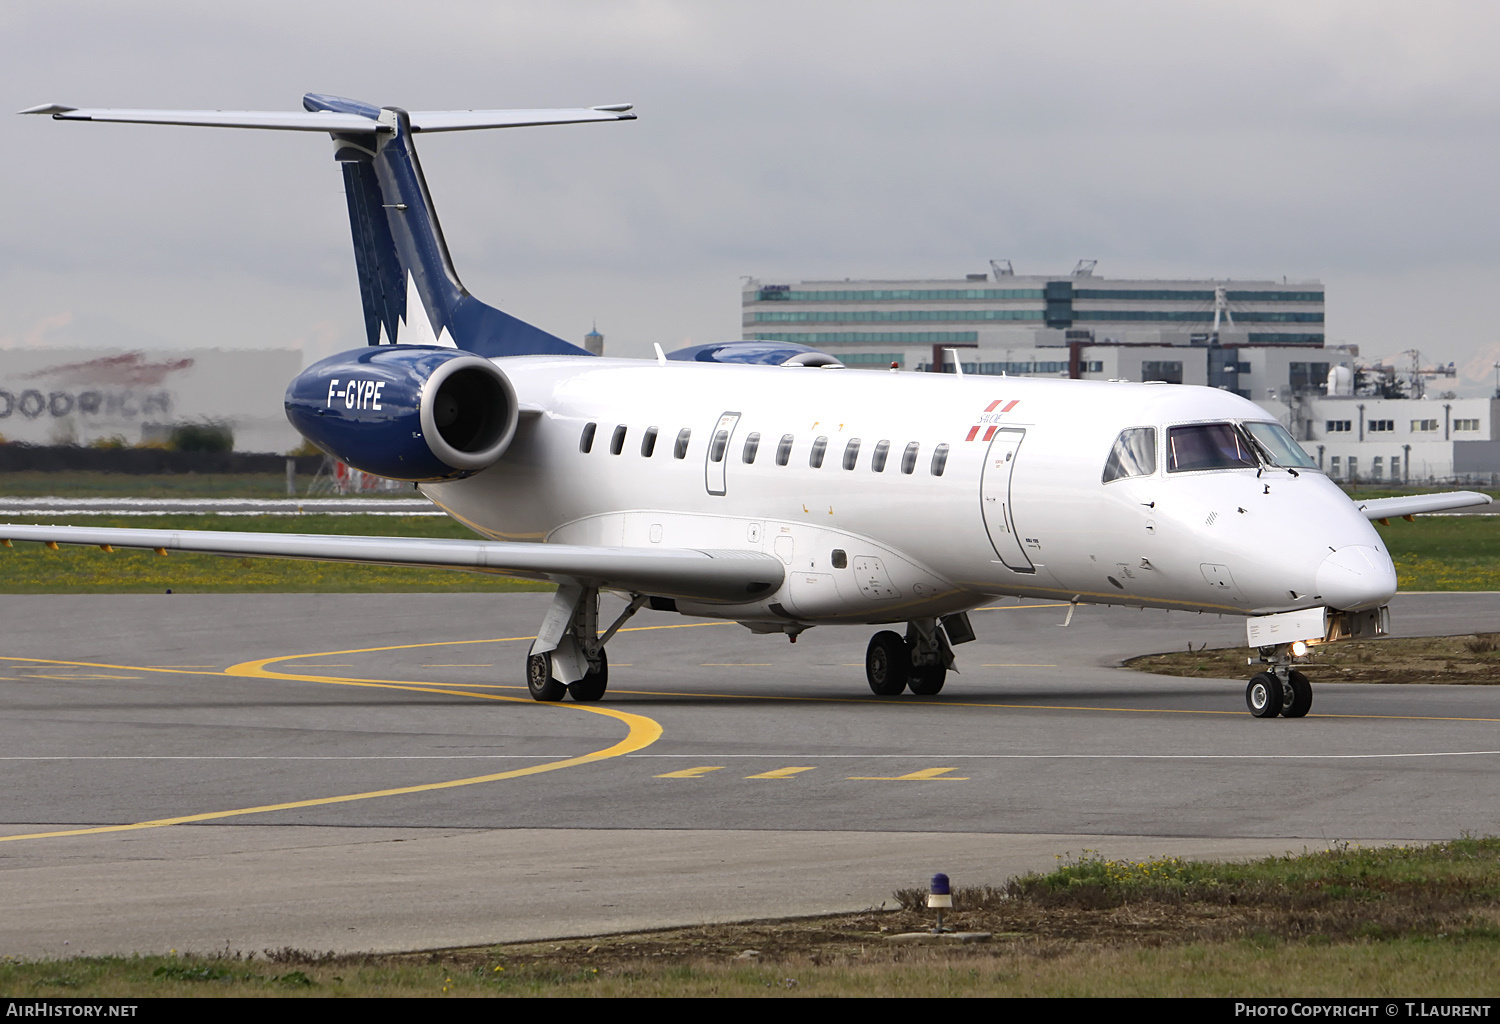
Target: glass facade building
1007, 311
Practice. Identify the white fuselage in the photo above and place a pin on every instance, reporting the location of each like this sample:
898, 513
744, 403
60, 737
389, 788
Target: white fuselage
1020, 507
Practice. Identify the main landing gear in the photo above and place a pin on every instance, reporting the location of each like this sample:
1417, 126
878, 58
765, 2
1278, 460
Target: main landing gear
568, 656
918, 661
1280, 690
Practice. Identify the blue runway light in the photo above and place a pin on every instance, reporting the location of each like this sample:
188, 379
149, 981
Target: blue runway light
940, 898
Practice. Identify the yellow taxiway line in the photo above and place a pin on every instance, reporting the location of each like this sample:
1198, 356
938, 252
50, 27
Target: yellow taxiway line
641, 733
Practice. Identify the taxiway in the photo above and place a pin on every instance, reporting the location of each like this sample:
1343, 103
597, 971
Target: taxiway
366, 772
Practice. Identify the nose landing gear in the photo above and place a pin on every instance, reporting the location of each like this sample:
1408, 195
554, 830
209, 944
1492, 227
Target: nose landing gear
1280, 690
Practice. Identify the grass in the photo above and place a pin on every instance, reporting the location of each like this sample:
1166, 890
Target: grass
1256, 968
35, 484
1445, 552
1467, 869
1453, 553
1465, 659
1349, 921
29, 568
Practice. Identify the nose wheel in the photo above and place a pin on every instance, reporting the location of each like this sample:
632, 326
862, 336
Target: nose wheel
1269, 695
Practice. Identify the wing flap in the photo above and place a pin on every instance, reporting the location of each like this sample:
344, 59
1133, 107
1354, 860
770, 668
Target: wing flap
1416, 504
709, 575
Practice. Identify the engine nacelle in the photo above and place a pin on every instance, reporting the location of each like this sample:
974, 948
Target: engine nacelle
768, 353
405, 411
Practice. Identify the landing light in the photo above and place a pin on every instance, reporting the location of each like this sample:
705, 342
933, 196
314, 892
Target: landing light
1299, 648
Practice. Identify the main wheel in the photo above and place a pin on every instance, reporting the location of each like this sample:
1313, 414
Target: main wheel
539, 678
1297, 701
592, 685
887, 663
927, 680
1264, 696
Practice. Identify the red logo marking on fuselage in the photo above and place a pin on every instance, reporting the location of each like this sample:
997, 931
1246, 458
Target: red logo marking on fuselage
990, 418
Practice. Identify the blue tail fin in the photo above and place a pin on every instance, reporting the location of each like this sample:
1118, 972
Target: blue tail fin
411, 293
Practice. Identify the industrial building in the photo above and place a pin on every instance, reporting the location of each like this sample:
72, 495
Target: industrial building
1397, 440
1037, 325
1263, 340
90, 396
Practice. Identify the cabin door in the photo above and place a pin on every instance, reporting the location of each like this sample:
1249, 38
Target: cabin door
718, 452
995, 498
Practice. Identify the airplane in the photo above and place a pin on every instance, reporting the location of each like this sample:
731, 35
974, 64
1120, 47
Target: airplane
766, 484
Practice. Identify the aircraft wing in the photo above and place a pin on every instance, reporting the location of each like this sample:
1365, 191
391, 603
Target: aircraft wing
710, 575
1415, 504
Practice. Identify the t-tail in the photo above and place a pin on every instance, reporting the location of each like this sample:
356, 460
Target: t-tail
411, 292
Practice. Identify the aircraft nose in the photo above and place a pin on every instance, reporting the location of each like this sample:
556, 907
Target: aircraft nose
1356, 576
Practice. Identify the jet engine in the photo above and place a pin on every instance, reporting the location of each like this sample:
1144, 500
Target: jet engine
406, 412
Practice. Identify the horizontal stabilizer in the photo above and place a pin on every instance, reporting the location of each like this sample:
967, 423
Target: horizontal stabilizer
409, 288
1416, 504
463, 120
334, 121
707, 575
283, 120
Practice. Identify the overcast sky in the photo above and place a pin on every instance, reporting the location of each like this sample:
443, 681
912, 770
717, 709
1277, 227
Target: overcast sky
1353, 142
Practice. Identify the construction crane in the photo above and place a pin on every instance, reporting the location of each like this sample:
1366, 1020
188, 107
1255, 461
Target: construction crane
1417, 375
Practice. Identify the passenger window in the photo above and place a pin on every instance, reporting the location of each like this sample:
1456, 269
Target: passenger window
586, 440
851, 453
909, 458
683, 435
1134, 454
752, 445
784, 450
648, 443
717, 445
939, 459
878, 456
815, 457
839, 558
617, 443
1208, 446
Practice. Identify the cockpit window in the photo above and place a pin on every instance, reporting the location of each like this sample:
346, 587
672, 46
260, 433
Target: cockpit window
1134, 454
1208, 446
1278, 447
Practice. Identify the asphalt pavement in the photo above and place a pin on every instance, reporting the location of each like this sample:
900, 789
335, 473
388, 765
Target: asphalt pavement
360, 772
